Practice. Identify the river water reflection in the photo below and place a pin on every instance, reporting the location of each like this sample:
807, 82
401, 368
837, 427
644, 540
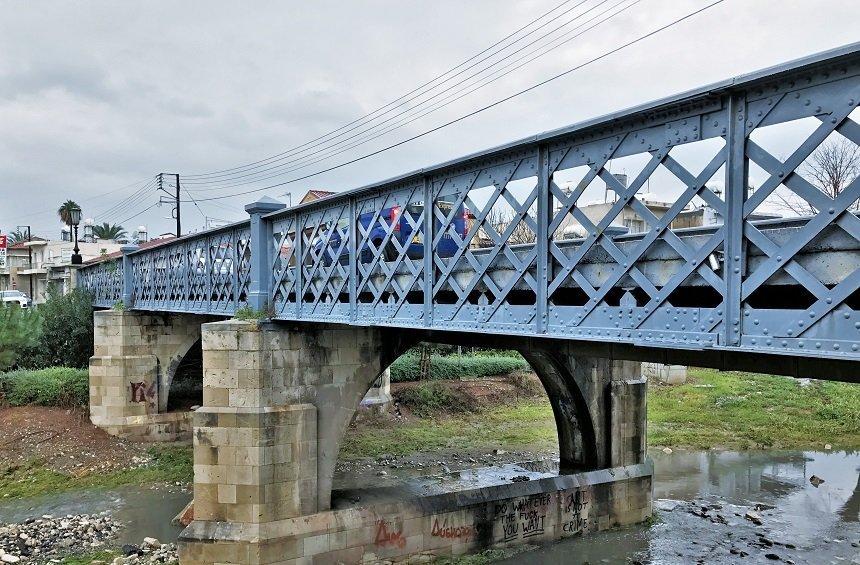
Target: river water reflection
821, 523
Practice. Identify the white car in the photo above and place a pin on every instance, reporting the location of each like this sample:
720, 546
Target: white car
14, 297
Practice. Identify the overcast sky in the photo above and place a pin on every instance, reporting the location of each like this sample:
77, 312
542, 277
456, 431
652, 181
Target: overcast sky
95, 96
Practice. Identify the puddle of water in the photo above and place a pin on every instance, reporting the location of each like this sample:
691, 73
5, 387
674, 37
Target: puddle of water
409, 484
821, 522
143, 512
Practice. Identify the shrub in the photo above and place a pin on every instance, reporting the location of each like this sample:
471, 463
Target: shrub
433, 397
19, 329
67, 332
407, 367
526, 383
56, 386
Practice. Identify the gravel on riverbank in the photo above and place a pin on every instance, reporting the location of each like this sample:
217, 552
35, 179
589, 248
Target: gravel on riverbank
37, 539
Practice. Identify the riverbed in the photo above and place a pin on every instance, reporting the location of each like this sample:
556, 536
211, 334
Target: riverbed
701, 500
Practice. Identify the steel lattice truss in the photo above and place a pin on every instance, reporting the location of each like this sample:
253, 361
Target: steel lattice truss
487, 243
204, 273
104, 282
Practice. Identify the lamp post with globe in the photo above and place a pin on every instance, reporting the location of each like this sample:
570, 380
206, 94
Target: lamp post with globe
74, 220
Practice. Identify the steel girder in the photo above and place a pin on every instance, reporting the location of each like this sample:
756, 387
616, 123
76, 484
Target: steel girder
486, 250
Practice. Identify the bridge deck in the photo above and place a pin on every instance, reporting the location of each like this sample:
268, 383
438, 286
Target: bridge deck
787, 287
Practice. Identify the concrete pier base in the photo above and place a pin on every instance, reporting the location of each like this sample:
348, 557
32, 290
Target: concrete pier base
277, 403
443, 525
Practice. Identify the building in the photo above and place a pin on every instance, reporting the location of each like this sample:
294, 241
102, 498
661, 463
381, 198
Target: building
691, 217
312, 195
34, 265
113, 255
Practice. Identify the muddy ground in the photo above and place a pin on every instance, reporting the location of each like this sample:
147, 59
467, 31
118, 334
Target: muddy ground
65, 440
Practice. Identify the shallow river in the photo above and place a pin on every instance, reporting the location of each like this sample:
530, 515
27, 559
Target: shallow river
821, 523
801, 523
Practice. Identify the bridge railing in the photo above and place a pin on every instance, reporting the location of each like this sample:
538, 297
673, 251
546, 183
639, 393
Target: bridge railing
104, 280
511, 241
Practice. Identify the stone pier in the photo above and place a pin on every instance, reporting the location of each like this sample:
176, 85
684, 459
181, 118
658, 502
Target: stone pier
135, 359
278, 400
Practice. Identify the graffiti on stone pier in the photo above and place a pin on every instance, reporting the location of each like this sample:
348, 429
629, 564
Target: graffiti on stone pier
524, 517
142, 392
387, 536
574, 513
449, 531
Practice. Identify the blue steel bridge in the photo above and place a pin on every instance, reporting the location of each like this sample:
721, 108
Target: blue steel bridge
500, 244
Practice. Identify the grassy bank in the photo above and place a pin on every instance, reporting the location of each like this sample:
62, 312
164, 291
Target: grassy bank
526, 424
747, 411
713, 410
169, 464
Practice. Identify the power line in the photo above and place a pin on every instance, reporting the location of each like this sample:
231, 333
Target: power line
87, 199
330, 143
431, 81
117, 208
128, 204
308, 160
148, 208
483, 108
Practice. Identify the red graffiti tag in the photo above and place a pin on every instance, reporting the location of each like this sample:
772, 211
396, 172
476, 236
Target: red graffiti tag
451, 532
386, 538
140, 392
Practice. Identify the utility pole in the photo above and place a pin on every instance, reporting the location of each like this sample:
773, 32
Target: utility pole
178, 217
175, 200
29, 254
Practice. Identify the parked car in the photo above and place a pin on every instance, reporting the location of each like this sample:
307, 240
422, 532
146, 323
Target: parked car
403, 232
15, 297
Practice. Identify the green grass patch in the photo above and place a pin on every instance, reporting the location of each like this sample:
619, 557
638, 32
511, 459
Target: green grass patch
89, 557
408, 367
527, 424
170, 464
713, 410
55, 386
433, 397
747, 411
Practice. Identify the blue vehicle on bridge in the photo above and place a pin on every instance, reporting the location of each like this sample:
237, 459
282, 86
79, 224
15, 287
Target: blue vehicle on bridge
405, 226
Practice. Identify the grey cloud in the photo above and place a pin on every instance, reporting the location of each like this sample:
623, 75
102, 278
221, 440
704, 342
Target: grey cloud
95, 96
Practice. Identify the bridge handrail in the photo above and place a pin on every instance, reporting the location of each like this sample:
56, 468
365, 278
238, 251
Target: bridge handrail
422, 250
719, 88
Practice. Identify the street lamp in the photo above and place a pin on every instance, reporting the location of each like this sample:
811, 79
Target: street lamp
74, 220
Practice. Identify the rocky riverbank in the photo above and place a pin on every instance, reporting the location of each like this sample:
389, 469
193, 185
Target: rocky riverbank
48, 539
37, 539
150, 551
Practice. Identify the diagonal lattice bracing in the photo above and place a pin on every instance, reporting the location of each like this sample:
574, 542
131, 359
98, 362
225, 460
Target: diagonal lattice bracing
515, 240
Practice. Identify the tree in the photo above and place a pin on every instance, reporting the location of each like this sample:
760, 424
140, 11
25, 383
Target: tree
500, 220
831, 168
19, 329
17, 236
109, 231
67, 331
65, 211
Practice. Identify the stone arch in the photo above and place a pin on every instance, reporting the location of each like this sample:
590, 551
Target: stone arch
176, 335
300, 385
574, 424
336, 406
564, 381
191, 348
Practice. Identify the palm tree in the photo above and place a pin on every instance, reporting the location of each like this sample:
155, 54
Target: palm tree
65, 211
109, 231
17, 236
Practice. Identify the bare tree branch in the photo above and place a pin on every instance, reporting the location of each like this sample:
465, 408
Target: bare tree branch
831, 168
